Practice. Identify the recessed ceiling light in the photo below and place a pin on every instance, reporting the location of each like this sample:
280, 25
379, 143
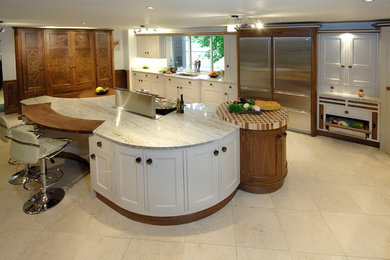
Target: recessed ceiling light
149, 7
368, 1
84, 23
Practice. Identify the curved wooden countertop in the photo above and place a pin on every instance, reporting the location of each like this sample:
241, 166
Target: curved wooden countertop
43, 115
266, 120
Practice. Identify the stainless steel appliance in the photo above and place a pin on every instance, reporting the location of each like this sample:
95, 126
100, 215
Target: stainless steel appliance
280, 69
136, 102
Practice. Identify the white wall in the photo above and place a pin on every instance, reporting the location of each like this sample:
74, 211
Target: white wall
118, 54
8, 54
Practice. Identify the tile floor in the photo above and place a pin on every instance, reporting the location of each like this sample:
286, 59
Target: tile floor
335, 205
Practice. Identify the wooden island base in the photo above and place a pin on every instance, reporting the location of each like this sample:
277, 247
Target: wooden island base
167, 221
263, 160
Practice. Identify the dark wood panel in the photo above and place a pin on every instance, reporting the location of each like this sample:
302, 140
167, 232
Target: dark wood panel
122, 79
104, 66
166, 221
333, 99
11, 96
348, 138
321, 114
84, 60
263, 159
44, 115
374, 126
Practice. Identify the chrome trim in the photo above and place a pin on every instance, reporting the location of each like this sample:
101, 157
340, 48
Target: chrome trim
295, 94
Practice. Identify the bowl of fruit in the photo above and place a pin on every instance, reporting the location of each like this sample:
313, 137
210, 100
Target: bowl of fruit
101, 90
214, 74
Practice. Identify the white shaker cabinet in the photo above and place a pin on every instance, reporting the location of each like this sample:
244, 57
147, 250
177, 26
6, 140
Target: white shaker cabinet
130, 178
101, 165
231, 68
190, 89
151, 46
157, 84
165, 182
202, 176
213, 92
348, 63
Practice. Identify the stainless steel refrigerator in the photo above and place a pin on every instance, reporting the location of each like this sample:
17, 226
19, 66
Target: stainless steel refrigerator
280, 69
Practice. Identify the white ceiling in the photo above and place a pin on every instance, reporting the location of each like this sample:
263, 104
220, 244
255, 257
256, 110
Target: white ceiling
184, 13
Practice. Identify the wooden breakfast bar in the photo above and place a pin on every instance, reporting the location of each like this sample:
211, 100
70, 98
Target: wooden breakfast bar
263, 164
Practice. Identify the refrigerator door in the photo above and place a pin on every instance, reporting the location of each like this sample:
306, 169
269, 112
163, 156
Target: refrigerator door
255, 67
292, 79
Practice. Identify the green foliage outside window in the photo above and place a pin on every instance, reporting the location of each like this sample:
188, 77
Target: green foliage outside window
218, 49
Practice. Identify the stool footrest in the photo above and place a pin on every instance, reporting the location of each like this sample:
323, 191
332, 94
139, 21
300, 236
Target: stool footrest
42, 202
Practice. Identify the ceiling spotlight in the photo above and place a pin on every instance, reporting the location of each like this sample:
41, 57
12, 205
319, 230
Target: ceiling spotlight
234, 16
149, 7
259, 25
368, 1
83, 23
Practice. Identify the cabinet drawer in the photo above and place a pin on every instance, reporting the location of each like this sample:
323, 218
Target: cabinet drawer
347, 112
213, 84
231, 88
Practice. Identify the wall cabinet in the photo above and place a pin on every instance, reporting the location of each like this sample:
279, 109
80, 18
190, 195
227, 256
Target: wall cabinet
62, 62
165, 182
231, 68
151, 46
348, 62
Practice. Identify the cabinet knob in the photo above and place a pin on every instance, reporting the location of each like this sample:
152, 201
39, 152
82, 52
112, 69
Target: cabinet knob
181, 87
350, 66
169, 79
156, 77
93, 156
138, 160
279, 136
216, 152
177, 87
342, 66
227, 66
224, 149
146, 75
346, 112
230, 86
285, 134
134, 74
189, 82
225, 94
149, 161
211, 84
99, 144
331, 87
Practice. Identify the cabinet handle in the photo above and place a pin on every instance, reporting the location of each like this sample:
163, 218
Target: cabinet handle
156, 77
216, 152
146, 75
284, 134
93, 156
279, 136
227, 66
346, 112
331, 87
138, 160
224, 149
342, 66
99, 144
134, 74
350, 66
181, 87
388, 88
149, 161
189, 82
225, 94
169, 79
177, 87
230, 86
211, 84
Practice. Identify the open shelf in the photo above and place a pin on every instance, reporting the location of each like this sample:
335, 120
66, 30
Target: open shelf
365, 131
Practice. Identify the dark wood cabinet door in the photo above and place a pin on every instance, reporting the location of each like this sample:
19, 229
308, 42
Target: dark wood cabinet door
32, 62
84, 60
103, 47
59, 59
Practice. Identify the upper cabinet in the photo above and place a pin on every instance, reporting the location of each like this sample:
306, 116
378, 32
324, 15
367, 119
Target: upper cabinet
348, 63
151, 47
62, 62
230, 49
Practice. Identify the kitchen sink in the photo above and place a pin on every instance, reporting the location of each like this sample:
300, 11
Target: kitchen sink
186, 74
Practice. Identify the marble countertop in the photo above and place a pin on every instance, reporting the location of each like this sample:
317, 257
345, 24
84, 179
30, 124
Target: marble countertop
176, 75
348, 96
199, 124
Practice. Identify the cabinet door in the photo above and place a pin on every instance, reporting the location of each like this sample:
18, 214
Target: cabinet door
158, 85
202, 176
142, 46
188, 92
103, 53
102, 174
212, 95
84, 60
362, 64
171, 89
231, 93
332, 63
33, 62
165, 182
230, 48
60, 67
229, 164
130, 179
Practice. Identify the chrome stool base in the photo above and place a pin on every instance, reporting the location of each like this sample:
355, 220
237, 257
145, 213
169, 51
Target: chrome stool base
25, 175
52, 177
42, 202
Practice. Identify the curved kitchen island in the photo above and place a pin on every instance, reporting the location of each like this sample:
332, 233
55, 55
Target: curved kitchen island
171, 170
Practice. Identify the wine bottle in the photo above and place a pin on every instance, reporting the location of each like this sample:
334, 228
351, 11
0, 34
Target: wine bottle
181, 104
178, 105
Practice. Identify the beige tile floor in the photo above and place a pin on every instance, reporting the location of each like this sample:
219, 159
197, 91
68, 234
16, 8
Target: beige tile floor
334, 205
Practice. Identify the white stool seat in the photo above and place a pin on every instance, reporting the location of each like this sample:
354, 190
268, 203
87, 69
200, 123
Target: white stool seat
50, 146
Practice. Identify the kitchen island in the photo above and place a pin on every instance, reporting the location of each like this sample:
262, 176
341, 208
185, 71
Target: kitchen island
171, 170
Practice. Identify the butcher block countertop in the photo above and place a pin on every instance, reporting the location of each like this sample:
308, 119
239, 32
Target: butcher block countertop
266, 120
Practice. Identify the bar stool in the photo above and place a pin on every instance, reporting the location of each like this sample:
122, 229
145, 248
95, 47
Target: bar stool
29, 172
28, 148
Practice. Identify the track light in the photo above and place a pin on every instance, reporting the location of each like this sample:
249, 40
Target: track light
2, 30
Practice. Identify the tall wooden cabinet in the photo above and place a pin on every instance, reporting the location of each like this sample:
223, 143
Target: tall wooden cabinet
62, 62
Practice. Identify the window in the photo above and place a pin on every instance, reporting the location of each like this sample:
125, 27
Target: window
208, 49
